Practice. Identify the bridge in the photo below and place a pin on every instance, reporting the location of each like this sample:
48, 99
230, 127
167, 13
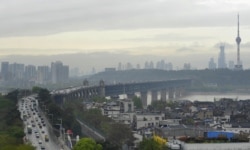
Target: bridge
169, 89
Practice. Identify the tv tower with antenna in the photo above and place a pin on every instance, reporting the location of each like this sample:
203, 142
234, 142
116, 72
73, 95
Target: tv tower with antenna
238, 65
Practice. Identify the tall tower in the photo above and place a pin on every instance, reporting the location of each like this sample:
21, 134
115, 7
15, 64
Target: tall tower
221, 59
238, 65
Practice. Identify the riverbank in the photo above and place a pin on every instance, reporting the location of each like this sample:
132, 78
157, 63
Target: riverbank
211, 96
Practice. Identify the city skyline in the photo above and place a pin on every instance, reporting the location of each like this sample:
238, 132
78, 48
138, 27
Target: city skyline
172, 29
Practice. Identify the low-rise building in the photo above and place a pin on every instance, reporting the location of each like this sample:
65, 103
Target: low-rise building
144, 120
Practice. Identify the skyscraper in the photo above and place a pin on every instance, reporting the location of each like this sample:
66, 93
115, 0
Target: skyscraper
5, 70
238, 65
43, 74
30, 72
59, 72
211, 64
221, 58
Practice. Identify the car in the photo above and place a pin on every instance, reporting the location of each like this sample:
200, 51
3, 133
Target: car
43, 131
42, 147
40, 142
46, 138
37, 135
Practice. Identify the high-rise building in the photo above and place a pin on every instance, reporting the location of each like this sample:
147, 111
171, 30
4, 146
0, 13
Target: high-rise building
59, 72
211, 64
5, 71
129, 66
169, 66
43, 74
30, 72
119, 66
151, 65
238, 65
186, 66
221, 59
16, 71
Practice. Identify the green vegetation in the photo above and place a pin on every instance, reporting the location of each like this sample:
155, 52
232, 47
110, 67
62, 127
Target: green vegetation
65, 114
87, 144
151, 144
116, 134
137, 102
11, 126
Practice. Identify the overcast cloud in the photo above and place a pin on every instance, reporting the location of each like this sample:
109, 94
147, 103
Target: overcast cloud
39, 17
167, 28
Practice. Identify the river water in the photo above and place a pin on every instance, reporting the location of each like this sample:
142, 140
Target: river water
212, 96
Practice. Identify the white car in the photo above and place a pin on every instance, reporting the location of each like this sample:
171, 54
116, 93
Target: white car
40, 142
37, 135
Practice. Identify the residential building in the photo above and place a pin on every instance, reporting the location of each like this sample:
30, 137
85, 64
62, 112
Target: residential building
59, 72
5, 71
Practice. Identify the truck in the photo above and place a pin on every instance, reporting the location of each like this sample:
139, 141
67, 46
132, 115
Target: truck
29, 129
46, 138
219, 134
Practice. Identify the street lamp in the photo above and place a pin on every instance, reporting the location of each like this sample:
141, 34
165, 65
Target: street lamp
61, 129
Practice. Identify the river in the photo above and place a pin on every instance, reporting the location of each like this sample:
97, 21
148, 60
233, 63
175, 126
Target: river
212, 96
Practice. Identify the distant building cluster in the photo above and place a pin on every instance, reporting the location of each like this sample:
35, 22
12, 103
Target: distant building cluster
161, 65
23, 74
147, 65
221, 61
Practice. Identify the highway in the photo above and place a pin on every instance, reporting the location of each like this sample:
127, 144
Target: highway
34, 119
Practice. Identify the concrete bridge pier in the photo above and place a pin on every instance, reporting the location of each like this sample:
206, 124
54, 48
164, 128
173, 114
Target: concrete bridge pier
171, 93
154, 95
86, 94
177, 93
144, 99
164, 95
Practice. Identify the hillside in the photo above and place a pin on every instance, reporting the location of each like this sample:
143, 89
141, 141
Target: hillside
227, 79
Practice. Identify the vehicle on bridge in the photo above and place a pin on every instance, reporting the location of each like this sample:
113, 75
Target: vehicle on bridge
46, 138
29, 129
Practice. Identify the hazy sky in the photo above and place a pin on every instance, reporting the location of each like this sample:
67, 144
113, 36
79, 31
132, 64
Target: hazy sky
171, 28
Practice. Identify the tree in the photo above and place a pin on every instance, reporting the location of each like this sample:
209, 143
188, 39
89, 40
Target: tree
25, 147
150, 144
119, 134
13, 96
44, 96
137, 102
36, 89
87, 144
159, 105
109, 146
